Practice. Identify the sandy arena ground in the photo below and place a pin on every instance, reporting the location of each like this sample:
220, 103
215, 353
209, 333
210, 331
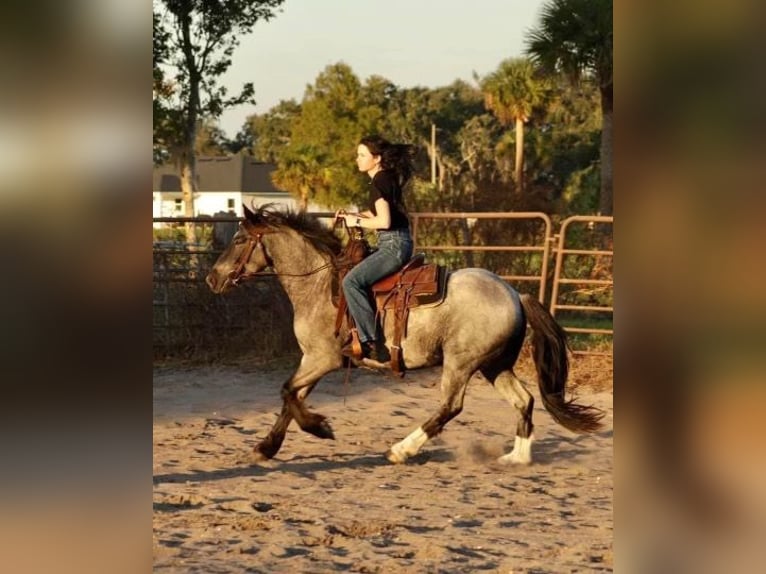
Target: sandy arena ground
340, 506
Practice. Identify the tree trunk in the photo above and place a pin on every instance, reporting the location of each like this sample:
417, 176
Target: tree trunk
518, 172
467, 241
188, 159
187, 192
606, 204
188, 187
438, 170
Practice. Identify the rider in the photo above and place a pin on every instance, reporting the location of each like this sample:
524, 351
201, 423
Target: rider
389, 167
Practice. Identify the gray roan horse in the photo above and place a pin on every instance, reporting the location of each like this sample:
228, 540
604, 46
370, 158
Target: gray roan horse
480, 327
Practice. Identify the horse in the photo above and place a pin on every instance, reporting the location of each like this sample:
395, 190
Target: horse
478, 328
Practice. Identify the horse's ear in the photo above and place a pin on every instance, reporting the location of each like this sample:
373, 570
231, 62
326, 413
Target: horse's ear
249, 215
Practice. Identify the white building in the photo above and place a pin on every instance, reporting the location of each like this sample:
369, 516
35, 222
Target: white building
223, 185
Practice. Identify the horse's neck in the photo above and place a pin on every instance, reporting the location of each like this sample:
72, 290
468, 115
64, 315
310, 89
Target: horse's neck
299, 269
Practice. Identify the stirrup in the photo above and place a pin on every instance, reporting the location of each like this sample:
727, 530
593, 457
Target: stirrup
353, 348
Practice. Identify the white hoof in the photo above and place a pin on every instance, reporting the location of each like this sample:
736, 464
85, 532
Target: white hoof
408, 447
395, 457
521, 453
514, 458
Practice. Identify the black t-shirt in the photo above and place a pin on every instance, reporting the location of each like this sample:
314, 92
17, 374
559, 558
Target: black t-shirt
385, 185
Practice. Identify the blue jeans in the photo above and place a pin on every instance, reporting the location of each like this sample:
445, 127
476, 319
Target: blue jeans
394, 250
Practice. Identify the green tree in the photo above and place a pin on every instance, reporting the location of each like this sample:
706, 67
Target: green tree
313, 144
302, 172
199, 39
267, 135
512, 92
564, 143
575, 38
447, 108
210, 141
162, 91
324, 135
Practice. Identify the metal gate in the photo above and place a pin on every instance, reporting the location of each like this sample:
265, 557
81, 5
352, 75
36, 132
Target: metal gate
586, 279
537, 273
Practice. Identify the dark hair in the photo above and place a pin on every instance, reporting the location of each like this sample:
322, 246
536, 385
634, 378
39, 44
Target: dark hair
394, 157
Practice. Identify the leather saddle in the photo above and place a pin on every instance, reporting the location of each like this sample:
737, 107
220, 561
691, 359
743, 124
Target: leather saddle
418, 279
417, 283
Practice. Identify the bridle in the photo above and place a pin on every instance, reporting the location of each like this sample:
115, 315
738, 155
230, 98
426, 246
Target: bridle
255, 233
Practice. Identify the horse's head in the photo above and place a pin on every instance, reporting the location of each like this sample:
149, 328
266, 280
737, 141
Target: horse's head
245, 255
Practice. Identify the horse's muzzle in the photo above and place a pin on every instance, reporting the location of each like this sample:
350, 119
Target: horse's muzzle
212, 282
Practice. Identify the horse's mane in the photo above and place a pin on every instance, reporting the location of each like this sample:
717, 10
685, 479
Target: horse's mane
309, 226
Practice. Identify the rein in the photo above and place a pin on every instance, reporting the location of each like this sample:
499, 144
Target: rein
255, 236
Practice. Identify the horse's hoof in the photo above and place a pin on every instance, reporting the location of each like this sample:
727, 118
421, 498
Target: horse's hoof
257, 457
395, 458
326, 431
321, 429
512, 458
262, 453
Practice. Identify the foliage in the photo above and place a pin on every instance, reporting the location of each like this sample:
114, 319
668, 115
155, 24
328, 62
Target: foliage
563, 154
162, 91
325, 133
268, 134
313, 143
210, 140
195, 40
580, 194
176, 235
513, 91
575, 38
200, 38
303, 171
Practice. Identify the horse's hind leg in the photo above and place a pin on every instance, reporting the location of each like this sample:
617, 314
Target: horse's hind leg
514, 391
454, 383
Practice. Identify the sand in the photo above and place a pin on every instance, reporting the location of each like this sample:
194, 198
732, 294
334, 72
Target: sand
340, 506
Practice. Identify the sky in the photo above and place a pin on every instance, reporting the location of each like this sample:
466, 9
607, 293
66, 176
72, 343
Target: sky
429, 43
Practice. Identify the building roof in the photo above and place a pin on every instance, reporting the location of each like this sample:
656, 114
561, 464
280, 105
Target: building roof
228, 173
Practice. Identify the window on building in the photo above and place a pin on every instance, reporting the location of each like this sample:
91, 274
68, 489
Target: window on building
230, 203
179, 206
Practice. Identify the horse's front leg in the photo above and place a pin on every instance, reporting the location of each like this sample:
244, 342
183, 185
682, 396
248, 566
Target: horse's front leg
294, 393
269, 446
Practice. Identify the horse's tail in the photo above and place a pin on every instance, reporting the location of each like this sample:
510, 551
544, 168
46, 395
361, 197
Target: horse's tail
549, 346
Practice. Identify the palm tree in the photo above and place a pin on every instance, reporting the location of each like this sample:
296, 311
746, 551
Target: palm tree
300, 172
575, 38
511, 93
